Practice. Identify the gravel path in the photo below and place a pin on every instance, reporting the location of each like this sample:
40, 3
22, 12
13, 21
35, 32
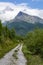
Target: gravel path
8, 59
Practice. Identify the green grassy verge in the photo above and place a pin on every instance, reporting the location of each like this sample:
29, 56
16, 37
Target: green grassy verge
7, 46
32, 59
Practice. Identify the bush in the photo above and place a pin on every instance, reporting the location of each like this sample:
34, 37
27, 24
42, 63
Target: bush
34, 41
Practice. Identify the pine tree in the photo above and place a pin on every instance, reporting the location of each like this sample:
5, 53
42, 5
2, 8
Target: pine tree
0, 28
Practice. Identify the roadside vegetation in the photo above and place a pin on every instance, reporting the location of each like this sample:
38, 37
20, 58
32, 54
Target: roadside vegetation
33, 47
8, 40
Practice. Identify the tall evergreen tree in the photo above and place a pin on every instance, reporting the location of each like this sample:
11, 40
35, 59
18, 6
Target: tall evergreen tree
0, 28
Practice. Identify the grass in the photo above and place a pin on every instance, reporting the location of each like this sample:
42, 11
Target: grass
6, 47
32, 59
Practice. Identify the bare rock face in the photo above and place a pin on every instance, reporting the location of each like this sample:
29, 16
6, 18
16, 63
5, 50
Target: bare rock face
28, 18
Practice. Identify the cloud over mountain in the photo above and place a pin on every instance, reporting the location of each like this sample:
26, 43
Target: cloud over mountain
9, 10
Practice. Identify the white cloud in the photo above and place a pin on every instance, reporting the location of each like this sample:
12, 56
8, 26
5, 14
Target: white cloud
9, 10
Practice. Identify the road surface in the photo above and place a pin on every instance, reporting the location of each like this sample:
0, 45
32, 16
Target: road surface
8, 59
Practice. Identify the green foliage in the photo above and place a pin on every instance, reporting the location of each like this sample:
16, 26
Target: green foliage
34, 42
8, 39
6, 33
0, 28
12, 34
33, 47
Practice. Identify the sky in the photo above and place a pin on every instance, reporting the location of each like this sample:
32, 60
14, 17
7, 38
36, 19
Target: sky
10, 8
32, 3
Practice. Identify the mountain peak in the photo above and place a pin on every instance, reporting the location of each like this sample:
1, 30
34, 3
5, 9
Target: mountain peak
21, 13
28, 18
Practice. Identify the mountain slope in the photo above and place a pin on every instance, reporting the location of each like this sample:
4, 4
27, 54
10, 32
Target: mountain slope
23, 23
27, 18
21, 27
